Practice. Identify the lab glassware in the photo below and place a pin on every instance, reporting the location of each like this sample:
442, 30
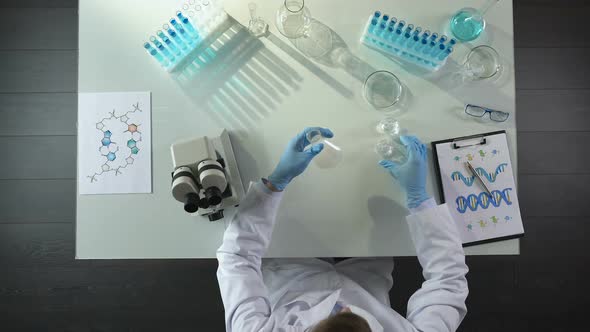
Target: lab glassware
257, 26
482, 62
389, 126
330, 156
382, 89
293, 19
403, 41
479, 111
391, 148
468, 23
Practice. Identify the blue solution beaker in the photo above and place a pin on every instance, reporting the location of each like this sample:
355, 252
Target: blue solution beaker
467, 24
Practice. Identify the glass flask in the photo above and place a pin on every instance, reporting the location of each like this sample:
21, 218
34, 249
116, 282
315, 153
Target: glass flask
391, 148
330, 156
256, 26
389, 126
293, 19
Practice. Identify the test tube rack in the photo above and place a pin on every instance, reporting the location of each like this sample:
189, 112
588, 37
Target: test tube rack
185, 33
396, 38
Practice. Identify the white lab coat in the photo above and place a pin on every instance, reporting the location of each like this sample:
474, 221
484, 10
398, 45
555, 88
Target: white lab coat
295, 294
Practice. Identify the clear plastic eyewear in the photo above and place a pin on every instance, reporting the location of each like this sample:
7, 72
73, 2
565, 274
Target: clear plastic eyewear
478, 111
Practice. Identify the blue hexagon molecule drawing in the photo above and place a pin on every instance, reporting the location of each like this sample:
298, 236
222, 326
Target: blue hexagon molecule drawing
117, 128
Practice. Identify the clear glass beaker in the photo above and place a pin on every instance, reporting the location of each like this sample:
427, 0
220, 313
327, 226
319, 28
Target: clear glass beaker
482, 62
382, 89
293, 19
330, 156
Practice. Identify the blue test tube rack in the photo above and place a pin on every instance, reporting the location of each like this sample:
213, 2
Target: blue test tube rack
185, 33
396, 38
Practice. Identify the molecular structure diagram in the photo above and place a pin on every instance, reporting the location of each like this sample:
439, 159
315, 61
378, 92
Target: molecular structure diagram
109, 149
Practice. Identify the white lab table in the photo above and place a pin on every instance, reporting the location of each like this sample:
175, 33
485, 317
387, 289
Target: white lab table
269, 94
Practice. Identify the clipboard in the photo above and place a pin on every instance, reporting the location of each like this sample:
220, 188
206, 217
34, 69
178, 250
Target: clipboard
481, 218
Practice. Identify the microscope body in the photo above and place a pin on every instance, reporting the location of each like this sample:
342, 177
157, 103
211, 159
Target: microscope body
206, 177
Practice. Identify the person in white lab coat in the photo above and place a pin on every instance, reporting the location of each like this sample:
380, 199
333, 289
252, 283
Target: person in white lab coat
352, 295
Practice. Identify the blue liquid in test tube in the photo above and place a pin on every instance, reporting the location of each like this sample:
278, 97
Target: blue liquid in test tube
188, 25
424, 40
175, 37
390, 28
168, 42
428, 48
446, 53
162, 49
181, 32
382, 29
398, 31
373, 26
153, 52
407, 34
415, 38
438, 50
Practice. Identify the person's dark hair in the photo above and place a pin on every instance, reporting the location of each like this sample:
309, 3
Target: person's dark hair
343, 322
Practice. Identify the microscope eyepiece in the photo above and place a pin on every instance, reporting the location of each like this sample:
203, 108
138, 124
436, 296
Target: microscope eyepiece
213, 196
191, 202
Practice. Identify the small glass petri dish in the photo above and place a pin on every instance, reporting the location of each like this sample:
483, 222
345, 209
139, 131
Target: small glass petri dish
382, 89
482, 62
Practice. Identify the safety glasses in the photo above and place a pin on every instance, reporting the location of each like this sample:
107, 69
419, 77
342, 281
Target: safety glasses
479, 112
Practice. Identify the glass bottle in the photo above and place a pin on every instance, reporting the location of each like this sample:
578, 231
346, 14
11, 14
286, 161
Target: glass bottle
293, 19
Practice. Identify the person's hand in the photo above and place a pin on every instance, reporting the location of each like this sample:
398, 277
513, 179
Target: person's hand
412, 174
295, 158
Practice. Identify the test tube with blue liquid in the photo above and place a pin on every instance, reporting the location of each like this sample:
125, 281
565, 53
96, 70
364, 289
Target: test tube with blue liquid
407, 35
185, 36
175, 37
398, 31
415, 38
374, 22
188, 25
382, 30
390, 28
446, 53
423, 41
168, 43
153, 52
162, 49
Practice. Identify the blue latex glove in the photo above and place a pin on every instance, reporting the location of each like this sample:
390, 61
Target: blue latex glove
412, 174
295, 159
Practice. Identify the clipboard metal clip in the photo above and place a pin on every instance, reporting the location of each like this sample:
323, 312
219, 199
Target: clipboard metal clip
482, 141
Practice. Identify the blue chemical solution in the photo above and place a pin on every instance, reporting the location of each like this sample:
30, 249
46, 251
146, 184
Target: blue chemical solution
162, 49
153, 52
467, 24
188, 25
175, 37
185, 36
168, 43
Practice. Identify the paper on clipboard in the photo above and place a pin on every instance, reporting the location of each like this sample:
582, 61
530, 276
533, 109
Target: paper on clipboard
479, 216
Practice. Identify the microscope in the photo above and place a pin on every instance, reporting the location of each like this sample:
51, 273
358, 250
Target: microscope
206, 178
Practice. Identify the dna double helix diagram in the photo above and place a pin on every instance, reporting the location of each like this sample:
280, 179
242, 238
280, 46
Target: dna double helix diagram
483, 200
456, 176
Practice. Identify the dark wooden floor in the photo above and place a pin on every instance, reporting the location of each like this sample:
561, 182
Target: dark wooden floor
42, 287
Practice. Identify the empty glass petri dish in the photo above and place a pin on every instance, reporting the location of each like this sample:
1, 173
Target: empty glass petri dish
382, 89
330, 156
